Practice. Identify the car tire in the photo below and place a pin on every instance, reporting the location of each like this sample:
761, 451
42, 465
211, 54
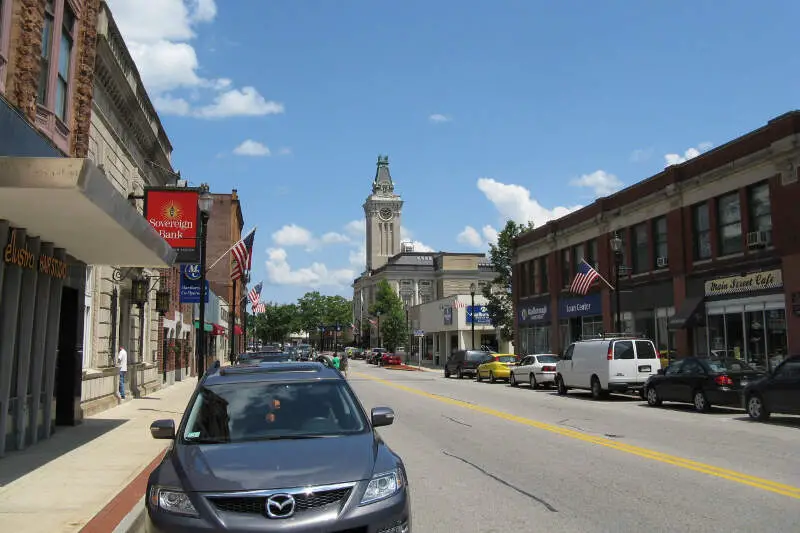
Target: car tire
478, 376
534, 382
700, 401
459, 373
756, 409
560, 386
597, 388
446, 373
512, 380
651, 395
492, 379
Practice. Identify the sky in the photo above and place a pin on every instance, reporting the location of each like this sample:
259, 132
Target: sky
488, 111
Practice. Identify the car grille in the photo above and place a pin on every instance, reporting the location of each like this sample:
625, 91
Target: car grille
257, 504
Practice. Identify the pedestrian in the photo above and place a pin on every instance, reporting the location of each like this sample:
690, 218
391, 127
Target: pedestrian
344, 362
336, 360
122, 361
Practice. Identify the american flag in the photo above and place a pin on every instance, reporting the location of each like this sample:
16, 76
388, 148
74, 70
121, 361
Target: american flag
242, 253
584, 278
260, 308
255, 294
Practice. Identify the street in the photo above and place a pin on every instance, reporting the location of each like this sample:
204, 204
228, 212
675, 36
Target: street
487, 457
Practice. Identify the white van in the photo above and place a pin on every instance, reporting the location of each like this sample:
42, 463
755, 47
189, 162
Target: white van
607, 364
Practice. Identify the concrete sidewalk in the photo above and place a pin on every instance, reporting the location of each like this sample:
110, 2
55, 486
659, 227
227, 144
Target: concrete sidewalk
61, 484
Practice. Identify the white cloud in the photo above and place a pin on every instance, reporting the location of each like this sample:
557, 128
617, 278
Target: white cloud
438, 118
251, 148
158, 34
333, 237
358, 257
293, 235
280, 272
478, 240
358, 227
676, 159
515, 202
601, 182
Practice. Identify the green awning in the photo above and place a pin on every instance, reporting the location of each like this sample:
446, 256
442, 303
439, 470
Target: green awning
208, 326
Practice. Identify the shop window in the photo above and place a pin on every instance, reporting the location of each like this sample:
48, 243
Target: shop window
760, 212
660, 249
591, 253
591, 326
755, 335
566, 268
729, 222
544, 274
641, 250
701, 228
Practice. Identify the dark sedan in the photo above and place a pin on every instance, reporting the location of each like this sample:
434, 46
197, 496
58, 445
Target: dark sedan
702, 382
777, 393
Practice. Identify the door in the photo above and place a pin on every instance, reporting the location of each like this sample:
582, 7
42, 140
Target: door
69, 362
566, 366
622, 369
784, 391
647, 361
523, 372
691, 376
667, 387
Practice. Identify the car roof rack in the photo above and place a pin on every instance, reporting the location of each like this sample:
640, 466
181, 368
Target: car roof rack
612, 335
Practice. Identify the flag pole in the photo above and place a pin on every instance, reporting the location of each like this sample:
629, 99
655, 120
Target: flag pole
599, 275
220, 258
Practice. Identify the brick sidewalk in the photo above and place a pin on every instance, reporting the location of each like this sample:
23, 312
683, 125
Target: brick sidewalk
87, 471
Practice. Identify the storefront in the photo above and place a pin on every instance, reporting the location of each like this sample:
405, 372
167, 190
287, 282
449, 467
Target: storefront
579, 318
534, 325
746, 318
56, 216
646, 312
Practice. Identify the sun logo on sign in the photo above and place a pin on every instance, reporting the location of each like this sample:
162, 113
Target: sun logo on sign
171, 211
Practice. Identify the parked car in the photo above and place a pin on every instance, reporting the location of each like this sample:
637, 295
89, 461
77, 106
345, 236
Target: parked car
465, 363
702, 382
390, 359
778, 392
610, 363
273, 447
498, 367
375, 355
536, 370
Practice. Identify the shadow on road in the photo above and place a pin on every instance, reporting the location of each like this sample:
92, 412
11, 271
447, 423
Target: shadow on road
780, 421
611, 398
689, 408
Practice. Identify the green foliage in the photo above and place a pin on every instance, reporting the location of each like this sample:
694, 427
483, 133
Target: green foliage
311, 310
394, 329
500, 305
276, 323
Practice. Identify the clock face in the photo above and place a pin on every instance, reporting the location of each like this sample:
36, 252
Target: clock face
385, 213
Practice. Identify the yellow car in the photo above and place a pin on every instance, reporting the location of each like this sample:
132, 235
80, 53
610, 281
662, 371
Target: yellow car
498, 367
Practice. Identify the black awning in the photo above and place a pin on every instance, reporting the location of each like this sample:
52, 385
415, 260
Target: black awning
688, 314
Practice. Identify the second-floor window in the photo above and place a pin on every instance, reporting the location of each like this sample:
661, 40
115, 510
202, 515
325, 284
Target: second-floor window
729, 222
525, 286
47, 52
591, 252
566, 268
64, 62
56, 59
578, 255
660, 241
760, 210
641, 249
701, 228
544, 278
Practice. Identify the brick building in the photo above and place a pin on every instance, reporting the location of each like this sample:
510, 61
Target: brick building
710, 255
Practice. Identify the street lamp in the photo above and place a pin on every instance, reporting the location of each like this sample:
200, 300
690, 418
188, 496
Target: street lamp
410, 337
204, 202
378, 314
141, 288
472, 289
616, 247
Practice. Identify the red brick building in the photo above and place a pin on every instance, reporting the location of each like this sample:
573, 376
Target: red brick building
710, 254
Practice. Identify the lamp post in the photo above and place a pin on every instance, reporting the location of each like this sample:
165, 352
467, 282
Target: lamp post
410, 333
616, 247
472, 289
378, 314
205, 202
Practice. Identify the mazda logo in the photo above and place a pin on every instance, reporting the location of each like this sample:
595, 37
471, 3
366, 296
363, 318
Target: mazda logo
280, 506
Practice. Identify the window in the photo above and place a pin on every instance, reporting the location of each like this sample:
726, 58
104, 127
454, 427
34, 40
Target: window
47, 52
591, 252
701, 227
578, 254
566, 268
623, 350
641, 250
544, 279
536, 277
523, 281
660, 241
64, 61
645, 350
760, 210
729, 221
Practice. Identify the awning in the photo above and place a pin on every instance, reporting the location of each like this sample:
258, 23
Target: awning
217, 329
237, 329
688, 314
208, 328
71, 203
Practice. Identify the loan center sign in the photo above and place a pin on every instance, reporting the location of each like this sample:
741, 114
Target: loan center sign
756, 281
174, 213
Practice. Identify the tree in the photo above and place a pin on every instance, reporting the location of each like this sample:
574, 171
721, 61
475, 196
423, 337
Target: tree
311, 312
500, 305
393, 327
337, 310
276, 323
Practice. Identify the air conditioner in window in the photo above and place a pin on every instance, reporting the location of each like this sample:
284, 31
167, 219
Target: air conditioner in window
662, 262
757, 239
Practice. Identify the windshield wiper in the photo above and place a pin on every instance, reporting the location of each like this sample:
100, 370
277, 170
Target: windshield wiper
291, 437
207, 440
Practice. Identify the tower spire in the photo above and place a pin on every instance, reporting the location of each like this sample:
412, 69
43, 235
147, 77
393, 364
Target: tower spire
382, 184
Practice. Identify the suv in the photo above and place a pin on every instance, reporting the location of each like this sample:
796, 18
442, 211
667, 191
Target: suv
465, 363
274, 447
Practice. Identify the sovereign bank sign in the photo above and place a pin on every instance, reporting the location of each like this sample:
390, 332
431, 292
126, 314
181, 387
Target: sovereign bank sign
280, 506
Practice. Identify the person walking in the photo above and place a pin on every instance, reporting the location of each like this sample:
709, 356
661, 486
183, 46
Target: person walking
344, 363
122, 361
336, 361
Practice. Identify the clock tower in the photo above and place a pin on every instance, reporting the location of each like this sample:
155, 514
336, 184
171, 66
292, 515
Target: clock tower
382, 211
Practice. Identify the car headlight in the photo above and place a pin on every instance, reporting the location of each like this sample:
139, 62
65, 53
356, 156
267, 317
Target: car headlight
382, 486
172, 501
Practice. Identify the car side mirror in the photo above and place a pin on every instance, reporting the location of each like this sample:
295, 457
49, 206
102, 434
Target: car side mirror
382, 416
163, 429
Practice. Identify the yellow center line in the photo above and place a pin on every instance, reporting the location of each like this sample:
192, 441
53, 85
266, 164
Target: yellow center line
674, 460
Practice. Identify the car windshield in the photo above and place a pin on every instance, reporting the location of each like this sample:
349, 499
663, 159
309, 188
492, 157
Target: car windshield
547, 358
729, 365
506, 358
478, 356
243, 412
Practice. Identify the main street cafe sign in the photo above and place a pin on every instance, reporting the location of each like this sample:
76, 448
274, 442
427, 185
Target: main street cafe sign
755, 281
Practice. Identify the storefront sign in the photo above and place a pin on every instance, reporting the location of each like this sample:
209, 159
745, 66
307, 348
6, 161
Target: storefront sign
447, 315
479, 313
586, 306
756, 281
532, 311
17, 254
190, 285
174, 213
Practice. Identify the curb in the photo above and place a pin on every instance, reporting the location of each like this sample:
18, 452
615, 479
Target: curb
134, 521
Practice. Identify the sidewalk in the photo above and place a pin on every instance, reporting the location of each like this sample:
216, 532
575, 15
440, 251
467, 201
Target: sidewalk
61, 484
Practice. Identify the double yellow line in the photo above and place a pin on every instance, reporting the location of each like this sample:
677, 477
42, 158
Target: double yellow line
674, 460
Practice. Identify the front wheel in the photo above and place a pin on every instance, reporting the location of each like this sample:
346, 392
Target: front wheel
512, 380
652, 397
756, 408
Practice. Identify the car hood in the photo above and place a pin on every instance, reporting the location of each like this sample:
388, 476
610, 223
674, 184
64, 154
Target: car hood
277, 464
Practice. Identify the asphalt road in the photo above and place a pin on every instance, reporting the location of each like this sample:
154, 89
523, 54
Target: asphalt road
488, 458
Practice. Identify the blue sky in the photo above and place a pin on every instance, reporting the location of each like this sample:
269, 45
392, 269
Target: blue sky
488, 110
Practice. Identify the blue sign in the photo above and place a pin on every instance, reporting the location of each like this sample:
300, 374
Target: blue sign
190, 285
585, 306
534, 310
480, 314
